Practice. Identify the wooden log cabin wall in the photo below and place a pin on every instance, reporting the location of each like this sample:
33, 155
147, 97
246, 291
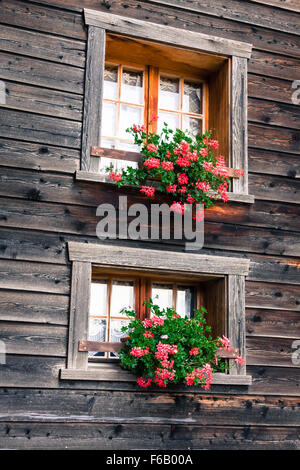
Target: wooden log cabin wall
43, 58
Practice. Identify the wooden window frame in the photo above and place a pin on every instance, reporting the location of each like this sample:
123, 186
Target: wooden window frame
84, 255
237, 53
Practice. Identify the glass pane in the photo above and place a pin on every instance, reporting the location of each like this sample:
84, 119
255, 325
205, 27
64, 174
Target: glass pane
168, 93
109, 144
162, 295
192, 97
97, 332
109, 111
115, 332
98, 302
132, 90
115, 329
129, 115
110, 89
185, 301
172, 119
122, 296
130, 148
193, 125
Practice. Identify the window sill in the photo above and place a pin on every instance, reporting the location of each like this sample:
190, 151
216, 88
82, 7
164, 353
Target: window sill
90, 177
117, 375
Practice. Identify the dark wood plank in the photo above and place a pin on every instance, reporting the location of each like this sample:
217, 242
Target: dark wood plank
283, 381
100, 406
34, 277
43, 101
36, 72
41, 129
270, 351
259, 15
20, 154
273, 163
42, 46
161, 436
39, 340
72, 219
274, 138
271, 65
52, 248
34, 307
275, 114
41, 18
269, 88
274, 188
273, 323
275, 296
62, 189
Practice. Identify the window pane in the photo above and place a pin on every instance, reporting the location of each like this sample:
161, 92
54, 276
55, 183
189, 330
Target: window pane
172, 119
185, 301
122, 296
115, 332
110, 89
131, 148
109, 144
193, 125
169, 93
132, 90
162, 295
98, 302
97, 332
129, 115
192, 97
109, 111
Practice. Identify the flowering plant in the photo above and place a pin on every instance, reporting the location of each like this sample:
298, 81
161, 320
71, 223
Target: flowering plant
184, 165
167, 348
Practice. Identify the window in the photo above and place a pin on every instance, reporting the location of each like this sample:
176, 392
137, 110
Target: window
192, 81
107, 278
111, 291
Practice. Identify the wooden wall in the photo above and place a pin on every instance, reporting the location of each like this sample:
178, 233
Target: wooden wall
42, 55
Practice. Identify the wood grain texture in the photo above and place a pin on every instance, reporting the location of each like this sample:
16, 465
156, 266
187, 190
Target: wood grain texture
155, 32
161, 436
269, 88
34, 277
274, 138
273, 163
94, 76
274, 296
246, 13
42, 46
131, 257
270, 352
40, 340
272, 323
79, 307
41, 18
35, 156
292, 5
239, 123
43, 101
41, 129
236, 320
275, 188
34, 307
35, 72
104, 406
274, 65
275, 114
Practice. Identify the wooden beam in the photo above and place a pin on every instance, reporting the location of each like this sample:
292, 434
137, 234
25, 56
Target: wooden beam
152, 260
166, 34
